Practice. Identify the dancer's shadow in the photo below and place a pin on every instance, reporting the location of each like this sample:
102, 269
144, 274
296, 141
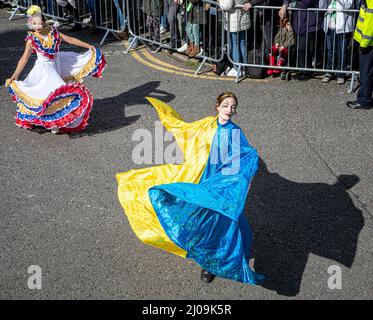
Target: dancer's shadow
109, 114
290, 220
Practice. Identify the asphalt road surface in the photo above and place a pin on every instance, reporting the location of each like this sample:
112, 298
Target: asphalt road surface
310, 206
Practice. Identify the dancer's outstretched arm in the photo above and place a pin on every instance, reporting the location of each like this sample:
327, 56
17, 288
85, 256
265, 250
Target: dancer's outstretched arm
76, 42
21, 63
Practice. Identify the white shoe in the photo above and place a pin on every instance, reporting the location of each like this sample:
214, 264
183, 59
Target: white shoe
162, 30
183, 48
232, 73
55, 130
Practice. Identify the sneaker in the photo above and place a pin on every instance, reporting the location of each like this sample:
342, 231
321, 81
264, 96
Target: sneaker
327, 77
232, 73
183, 48
88, 21
341, 80
162, 30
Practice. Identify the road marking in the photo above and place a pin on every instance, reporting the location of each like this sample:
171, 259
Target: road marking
166, 67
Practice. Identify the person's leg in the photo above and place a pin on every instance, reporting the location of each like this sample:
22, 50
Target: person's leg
172, 21
119, 14
156, 26
329, 48
364, 96
196, 35
243, 47
310, 45
234, 47
196, 40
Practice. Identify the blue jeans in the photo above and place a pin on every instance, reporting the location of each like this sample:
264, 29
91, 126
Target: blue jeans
94, 7
122, 20
336, 47
192, 30
238, 47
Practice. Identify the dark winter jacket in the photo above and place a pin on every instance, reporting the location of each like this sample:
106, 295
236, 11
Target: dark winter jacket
153, 7
299, 19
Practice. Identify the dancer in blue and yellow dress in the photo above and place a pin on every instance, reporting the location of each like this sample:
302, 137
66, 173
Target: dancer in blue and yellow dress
52, 96
196, 209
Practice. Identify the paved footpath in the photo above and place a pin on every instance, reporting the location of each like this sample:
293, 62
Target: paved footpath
310, 206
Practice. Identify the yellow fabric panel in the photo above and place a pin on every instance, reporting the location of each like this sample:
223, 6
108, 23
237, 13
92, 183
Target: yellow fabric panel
133, 185
30, 101
79, 76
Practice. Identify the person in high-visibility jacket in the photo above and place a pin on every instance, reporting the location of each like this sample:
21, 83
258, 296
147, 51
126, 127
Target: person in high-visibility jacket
364, 36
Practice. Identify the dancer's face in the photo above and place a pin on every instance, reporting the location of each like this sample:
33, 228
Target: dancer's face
38, 24
226, 109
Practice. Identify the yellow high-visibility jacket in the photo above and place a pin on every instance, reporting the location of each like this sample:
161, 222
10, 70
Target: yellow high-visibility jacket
364, 27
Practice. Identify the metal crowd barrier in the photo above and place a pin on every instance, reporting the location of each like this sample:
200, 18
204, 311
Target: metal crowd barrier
107, 15
313, 50
207, 26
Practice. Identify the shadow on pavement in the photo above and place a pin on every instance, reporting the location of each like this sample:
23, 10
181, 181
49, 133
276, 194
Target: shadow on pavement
109, 114
290, 220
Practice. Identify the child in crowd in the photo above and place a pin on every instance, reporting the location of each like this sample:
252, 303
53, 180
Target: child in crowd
284, 39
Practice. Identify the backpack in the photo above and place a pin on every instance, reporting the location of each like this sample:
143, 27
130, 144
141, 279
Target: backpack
255, 72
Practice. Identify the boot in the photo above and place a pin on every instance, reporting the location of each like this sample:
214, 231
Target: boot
280, 62
189, 49
271, 62
194, 52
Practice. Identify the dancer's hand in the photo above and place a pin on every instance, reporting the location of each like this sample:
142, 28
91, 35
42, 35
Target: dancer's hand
92, 48
11, 79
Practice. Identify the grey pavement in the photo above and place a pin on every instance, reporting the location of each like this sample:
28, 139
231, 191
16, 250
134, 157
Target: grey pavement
310, 206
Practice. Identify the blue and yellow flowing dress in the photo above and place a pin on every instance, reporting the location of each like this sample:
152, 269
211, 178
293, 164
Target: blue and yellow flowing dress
196, 209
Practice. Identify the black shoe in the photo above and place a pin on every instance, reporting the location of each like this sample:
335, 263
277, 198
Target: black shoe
154, 48
206, 276
302, 76
357, 105
76, 27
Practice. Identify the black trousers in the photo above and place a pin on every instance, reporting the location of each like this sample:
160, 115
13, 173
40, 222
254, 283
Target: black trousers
364, 96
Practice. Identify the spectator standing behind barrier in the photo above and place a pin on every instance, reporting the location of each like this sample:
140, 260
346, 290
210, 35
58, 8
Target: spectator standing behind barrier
71, 14
284, 39
239, 23
338, 27
305, 24
95, 11
153, 10
176, 26
195, 17
364, 36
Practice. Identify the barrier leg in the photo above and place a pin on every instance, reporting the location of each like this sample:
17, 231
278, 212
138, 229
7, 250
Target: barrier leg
238, 73
106, 34
14, 13
131, 44
200, 66
352, 83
